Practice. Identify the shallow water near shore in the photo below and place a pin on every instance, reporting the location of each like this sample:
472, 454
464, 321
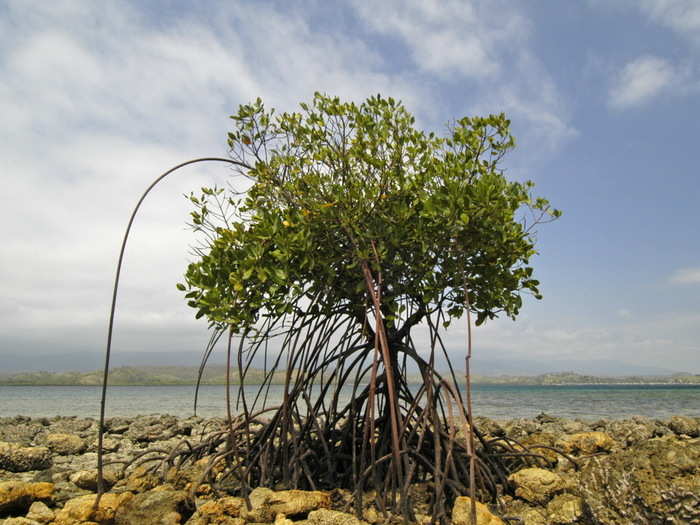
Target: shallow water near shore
494, 401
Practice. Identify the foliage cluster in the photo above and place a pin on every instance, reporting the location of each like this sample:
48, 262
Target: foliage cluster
339, 183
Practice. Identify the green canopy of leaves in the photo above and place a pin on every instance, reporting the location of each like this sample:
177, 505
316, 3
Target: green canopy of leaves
337, 184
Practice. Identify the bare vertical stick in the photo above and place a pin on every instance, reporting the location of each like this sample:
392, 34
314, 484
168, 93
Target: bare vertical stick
472, 462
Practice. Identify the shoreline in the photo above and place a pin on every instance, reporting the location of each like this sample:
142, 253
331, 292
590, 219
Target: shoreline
474, 384
50, 464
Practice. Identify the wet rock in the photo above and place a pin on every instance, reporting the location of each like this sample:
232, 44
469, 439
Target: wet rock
586, 443
23, 459
161, 506
683, 425
17, 496
461, 513
81, 509
65, 444
266, 504
536, 485
646, 483
564, 509
332, 517
40, 513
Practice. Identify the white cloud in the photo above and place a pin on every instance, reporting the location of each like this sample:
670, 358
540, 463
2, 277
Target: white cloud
686, 276
636, 341
97, 99
682, 16
489, 54
624, 313
640, 81
449, 37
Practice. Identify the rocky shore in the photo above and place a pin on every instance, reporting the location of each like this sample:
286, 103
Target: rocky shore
626, 472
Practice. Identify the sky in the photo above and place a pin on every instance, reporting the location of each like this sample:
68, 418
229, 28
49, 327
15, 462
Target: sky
98, 98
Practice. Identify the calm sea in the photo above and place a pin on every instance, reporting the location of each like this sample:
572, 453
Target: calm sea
495, 401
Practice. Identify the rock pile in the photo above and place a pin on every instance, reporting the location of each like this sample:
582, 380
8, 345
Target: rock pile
620, 472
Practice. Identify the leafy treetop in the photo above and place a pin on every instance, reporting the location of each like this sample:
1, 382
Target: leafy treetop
337, 185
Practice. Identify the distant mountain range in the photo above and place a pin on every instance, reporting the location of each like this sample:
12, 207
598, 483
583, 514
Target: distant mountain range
216, 375
482, 364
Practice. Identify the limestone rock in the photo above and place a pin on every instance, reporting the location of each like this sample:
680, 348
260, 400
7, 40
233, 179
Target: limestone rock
73, 425
23, 459
65, 444
564, 509
644, 484
160, 506
19, 430
223, 511
141, 480
266, 504
536, 443
332, 517
489, 426
461, 513
40, 512
80, 509
65, 490
17, 496
534, 517
630, 432
109, 444
684, 425
118, 425
281, 520
87, 479
152, 428
536, 485
587, 443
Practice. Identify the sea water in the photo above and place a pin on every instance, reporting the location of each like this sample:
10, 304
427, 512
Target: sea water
495, 401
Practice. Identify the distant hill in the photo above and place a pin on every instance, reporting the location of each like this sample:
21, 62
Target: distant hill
216, 375
129, 375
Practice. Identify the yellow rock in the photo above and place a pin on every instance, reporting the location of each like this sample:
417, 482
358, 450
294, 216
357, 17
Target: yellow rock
332, 517
65, 444
462, 512
17, 496
586, 443
80, 509
39, 512
280, 519
223, 511
266, 503
536, 485
142, 480
19, 521
565, 508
